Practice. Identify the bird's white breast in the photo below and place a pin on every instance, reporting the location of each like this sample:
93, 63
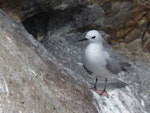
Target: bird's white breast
96, 55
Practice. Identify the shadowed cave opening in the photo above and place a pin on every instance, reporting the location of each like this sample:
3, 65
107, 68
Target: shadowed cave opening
39, 24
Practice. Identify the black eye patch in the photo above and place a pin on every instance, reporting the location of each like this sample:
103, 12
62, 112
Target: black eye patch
93, 37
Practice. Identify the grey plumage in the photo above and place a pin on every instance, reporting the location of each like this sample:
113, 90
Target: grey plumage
101, 61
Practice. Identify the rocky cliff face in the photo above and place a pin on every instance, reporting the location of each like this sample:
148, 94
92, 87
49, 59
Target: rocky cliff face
31, 79
41, 60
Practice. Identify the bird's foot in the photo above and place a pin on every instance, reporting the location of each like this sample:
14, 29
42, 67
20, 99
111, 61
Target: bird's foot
100, 92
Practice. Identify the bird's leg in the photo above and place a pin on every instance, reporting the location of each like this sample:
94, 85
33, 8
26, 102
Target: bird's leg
104, 92
95, 85
101, 92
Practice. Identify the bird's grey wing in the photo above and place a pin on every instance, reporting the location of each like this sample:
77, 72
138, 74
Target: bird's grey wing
113, 53
113, 65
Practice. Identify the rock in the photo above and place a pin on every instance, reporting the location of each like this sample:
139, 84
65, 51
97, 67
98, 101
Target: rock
146, 39
58, 71
77, 18
31, 80
63, 31
39, 26
122, 19
130, 15
24, 9
68, 52
143, 4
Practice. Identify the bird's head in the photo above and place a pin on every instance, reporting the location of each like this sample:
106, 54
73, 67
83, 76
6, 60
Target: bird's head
94, 36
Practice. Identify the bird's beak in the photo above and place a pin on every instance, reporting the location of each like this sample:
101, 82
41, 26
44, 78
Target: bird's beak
84, 39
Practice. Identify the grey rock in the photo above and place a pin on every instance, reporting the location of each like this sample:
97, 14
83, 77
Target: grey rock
59, 73
24, 9
31, 80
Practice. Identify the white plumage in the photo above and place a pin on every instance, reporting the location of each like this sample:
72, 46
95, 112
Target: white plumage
97, 59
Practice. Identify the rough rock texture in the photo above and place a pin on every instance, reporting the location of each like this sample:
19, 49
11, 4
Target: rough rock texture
26, 8
125, 20
58, 74
31, 80
64, 46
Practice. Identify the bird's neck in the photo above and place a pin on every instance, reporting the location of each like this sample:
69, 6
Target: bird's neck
97, 45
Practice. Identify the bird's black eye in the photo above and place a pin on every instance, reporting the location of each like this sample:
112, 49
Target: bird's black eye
93, 37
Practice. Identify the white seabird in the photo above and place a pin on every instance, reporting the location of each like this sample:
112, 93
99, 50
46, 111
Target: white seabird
99, 60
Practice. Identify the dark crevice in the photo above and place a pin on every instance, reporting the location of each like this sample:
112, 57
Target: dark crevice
39, 24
